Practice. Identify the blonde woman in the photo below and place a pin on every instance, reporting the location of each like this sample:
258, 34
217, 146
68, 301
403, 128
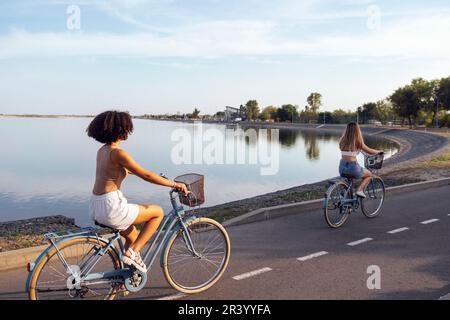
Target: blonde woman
351, 145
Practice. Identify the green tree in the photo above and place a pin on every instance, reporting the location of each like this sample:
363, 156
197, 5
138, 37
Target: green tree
443, 93
384, 111
342, 116
410, 100
196, 113
314, 101
252, 110
367, 111
220, 115
442, 98
287, 112
268, 113
405, 104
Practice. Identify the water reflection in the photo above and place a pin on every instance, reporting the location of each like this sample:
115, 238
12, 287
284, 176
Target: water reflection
49, 165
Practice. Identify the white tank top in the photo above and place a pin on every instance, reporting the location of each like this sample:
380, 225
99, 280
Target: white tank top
350, 153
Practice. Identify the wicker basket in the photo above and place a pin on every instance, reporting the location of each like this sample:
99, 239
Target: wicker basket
374, 162
196, 185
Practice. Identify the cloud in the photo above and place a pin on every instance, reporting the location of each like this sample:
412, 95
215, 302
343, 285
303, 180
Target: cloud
405, 38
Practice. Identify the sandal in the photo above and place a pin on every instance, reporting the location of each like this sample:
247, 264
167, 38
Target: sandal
134, 260
123, 290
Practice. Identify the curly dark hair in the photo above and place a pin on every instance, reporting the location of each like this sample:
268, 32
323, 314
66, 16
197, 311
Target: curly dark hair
110, 126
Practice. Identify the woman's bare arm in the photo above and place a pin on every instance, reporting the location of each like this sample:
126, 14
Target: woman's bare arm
124, 159
368, 150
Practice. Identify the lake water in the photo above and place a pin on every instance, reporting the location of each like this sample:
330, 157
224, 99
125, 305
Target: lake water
47, 166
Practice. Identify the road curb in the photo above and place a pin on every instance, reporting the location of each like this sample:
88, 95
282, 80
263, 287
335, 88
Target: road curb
262, 214
19, 258
15, 259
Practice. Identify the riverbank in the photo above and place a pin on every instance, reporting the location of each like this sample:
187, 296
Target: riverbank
422, 156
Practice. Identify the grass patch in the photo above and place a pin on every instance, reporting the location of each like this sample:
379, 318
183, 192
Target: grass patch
443, 158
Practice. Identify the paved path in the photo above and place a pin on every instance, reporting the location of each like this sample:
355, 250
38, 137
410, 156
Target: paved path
299, 257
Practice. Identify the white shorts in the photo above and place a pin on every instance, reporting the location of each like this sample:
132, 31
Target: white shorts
113, 210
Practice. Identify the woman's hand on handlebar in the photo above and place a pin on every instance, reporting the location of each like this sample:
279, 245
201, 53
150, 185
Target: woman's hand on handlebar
181, 187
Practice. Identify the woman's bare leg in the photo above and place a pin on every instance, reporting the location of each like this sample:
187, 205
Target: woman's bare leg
152, 216
130, 236
365, 180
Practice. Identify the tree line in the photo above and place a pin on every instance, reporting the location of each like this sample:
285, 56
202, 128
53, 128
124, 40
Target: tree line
421, 102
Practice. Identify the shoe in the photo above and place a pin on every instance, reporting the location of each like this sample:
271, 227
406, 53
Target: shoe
361, 194
134, 259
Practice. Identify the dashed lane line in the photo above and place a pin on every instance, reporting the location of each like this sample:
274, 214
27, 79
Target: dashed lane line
429, 221
358, 242
446, 297
252, 273
312, 256
398, 230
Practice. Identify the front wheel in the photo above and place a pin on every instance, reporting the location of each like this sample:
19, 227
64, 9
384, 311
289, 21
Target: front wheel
193, 271
375, 195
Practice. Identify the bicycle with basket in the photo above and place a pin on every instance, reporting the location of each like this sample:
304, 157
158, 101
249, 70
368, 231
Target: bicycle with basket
341, 200
82, 264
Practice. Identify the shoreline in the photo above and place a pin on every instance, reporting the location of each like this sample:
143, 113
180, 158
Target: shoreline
404, 167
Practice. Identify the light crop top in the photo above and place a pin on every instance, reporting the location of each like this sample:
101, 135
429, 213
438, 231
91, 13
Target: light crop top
350, 153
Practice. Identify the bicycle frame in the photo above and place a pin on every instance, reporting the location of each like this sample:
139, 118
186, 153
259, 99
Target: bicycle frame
353, 200
170, 221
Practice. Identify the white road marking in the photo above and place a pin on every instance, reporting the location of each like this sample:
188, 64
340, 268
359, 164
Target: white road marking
355, 243
446, 297
173, 297
429, 221
312, 256
398, 230
251, 274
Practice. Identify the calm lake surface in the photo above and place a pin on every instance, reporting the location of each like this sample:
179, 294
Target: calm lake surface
47, 166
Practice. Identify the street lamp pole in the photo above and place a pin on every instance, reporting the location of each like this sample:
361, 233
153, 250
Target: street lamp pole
437, 112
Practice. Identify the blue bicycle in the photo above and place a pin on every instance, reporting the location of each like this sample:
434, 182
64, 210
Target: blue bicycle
81, 264
341, 200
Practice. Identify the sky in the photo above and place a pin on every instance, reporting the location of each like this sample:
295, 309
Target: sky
168, 56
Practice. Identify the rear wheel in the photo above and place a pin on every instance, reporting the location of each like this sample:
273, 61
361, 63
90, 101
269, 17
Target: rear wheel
191, 273
375, 195
52, 281
335, 211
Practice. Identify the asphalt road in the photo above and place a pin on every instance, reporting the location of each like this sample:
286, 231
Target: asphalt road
414, 262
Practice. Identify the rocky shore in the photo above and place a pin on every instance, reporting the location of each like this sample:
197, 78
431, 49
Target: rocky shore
29, 232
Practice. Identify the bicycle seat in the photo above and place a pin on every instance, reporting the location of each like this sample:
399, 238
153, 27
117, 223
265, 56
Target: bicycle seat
106, 227
348, 177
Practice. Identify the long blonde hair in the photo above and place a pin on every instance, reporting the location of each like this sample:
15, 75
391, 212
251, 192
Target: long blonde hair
352, 140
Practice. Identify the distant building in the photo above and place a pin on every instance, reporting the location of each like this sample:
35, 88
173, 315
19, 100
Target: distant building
233, 114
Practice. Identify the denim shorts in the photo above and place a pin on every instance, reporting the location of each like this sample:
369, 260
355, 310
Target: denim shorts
351, 169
